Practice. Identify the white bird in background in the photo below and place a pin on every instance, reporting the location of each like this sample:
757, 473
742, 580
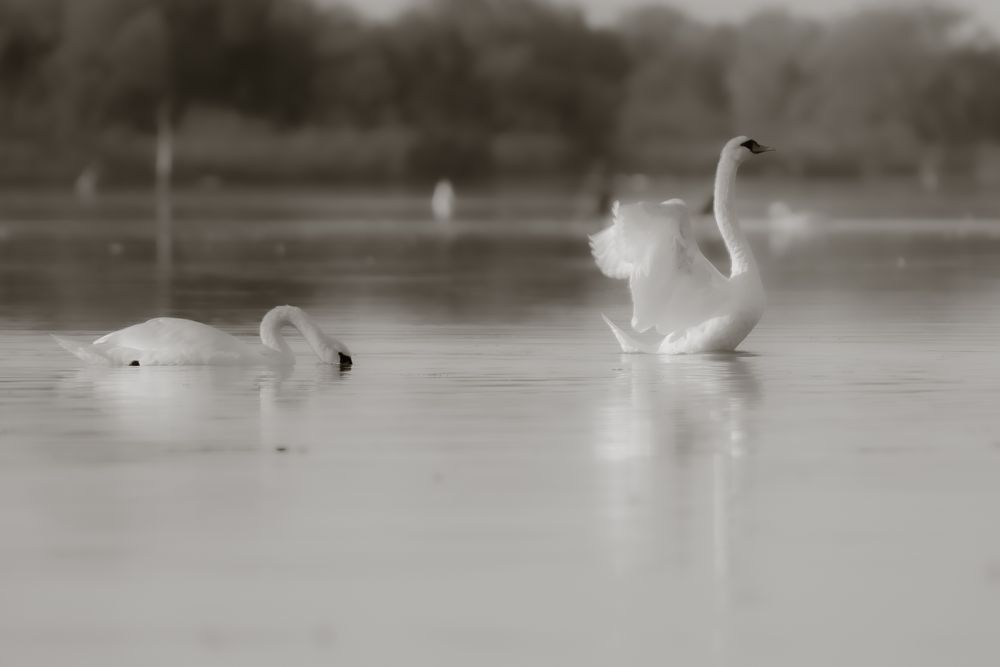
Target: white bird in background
169, 341
443, 200
675, 289
86, 184
787, 227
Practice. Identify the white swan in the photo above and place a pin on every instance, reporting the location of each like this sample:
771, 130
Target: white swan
443, 200
787, 227
169, 341
675, 289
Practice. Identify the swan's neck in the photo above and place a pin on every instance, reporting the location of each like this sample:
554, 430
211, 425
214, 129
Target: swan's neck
276, 318
740, 255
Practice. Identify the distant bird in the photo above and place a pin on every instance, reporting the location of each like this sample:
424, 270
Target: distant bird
443, 200
781, 215
86, 184
675, 289
169, 341
787, 227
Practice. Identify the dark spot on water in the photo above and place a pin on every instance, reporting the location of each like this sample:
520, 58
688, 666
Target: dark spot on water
281, 448
134, 363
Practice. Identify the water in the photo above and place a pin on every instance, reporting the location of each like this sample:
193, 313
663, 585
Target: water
492, 483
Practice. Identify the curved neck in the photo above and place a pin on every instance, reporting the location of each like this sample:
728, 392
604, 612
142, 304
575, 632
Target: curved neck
740, 255
276, 318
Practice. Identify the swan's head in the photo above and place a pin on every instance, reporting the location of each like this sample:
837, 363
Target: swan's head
332, 351
327, 348
740, 148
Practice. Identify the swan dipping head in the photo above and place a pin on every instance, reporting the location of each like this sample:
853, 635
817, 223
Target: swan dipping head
326, 347
337, 353
740, 148
330, 350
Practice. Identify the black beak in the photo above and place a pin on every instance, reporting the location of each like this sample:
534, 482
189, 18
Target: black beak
345, 360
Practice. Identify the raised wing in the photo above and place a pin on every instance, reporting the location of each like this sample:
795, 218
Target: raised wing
624, 246
673, 285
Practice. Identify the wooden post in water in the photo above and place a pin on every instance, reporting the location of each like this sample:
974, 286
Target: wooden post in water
164, 169
164, 164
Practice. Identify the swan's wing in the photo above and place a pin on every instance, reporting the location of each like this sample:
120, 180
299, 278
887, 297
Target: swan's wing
622, 247
169, 340
673, 285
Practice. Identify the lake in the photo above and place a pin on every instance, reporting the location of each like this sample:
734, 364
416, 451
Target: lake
493, 483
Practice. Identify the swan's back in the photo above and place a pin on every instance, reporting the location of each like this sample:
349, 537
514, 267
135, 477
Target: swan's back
174, 341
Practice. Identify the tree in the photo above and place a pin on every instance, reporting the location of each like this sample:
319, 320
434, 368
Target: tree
29, 35
767, 76
491, 69
676, 98
871, 80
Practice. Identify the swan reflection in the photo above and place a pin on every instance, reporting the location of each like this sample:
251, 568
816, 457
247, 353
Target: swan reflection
674, 440
296, 411
204, 407
676, 405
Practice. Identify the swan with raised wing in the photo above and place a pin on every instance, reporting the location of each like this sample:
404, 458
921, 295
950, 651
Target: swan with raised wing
170, 341
675, 289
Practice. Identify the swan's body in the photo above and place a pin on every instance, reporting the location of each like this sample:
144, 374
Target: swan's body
675, 289
170, 341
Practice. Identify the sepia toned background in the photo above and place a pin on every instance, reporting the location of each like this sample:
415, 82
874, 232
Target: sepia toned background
299, 92
493, 482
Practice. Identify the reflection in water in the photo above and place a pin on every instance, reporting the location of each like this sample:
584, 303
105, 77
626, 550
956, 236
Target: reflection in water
191, 408
665, 417
679, 402
494, 444
290, 419
182, 408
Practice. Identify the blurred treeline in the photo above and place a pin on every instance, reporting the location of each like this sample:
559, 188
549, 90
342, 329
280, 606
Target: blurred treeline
286, 90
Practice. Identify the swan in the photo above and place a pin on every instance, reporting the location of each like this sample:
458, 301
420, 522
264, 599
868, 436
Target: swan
443, 201
675, 288
170, 341
786, 226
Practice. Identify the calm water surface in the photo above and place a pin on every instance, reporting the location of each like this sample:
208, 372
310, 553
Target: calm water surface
493, 483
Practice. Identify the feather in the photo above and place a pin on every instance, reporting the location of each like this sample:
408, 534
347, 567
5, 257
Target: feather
673, 284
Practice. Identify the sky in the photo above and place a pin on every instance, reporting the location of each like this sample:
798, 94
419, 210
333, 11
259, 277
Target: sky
604, 11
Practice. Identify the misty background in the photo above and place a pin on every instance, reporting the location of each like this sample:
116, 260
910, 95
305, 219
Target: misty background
481, 91
493, 482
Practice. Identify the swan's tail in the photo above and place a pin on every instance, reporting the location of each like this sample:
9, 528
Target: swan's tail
84, 351
629, 344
